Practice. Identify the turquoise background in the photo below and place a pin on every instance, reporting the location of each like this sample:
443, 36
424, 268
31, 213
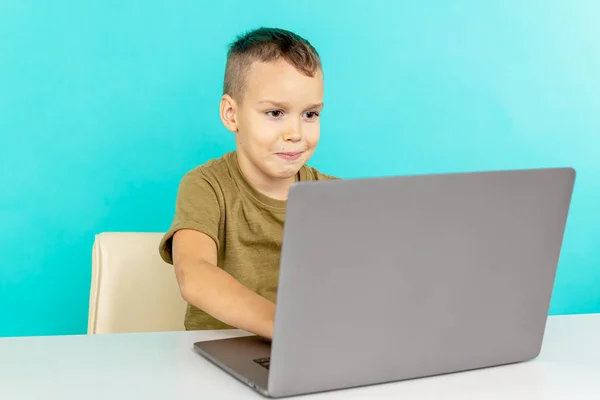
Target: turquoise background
104, 105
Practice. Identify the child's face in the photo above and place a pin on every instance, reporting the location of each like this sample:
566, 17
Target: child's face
278, 121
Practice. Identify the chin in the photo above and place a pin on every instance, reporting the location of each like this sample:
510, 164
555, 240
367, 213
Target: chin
287, 174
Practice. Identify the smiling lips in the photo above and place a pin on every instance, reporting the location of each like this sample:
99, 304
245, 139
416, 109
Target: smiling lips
290, 156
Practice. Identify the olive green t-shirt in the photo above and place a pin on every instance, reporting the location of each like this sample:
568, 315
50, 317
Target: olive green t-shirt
246, 225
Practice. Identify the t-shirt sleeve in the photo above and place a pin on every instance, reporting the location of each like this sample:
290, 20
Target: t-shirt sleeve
196, 207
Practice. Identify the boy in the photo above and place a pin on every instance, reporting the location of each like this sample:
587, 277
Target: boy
225, 239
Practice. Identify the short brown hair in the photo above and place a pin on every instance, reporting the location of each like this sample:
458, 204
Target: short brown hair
266, 45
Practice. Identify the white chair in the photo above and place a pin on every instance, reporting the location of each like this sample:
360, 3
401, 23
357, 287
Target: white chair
132, 288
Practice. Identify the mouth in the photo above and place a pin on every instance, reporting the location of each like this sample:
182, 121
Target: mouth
290, 156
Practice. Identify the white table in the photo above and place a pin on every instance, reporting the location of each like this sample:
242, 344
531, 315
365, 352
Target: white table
164, 366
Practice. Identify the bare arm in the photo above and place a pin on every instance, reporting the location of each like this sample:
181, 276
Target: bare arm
206, 286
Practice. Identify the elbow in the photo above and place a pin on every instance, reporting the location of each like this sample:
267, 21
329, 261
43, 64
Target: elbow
183, 283
191, 280
185, 294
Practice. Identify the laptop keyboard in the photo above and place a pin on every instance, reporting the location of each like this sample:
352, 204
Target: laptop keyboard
265, 362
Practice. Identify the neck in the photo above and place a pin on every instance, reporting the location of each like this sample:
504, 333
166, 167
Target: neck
277, 189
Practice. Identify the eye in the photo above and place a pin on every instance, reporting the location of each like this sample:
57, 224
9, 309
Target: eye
312, 115
275, 113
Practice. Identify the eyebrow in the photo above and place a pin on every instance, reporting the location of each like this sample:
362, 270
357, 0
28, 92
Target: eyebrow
284, 105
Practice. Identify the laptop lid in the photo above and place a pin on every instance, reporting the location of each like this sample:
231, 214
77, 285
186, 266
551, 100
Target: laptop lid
403, 277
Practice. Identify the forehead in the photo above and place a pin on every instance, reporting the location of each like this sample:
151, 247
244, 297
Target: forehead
281, 81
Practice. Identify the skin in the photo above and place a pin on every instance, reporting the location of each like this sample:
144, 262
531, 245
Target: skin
279, 114
277, 129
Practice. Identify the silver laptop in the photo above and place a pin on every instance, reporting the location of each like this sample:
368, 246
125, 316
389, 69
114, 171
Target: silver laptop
397, 278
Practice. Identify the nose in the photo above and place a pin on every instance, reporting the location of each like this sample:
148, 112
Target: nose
292, 135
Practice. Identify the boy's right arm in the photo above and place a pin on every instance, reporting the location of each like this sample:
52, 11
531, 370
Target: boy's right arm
208, 287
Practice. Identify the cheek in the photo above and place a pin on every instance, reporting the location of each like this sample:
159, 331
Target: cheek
313, 134
261, 133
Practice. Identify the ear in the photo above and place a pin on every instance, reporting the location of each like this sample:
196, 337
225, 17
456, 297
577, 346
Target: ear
229, 113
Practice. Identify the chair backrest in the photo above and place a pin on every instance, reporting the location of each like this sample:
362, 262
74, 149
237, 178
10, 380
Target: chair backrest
132, 288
